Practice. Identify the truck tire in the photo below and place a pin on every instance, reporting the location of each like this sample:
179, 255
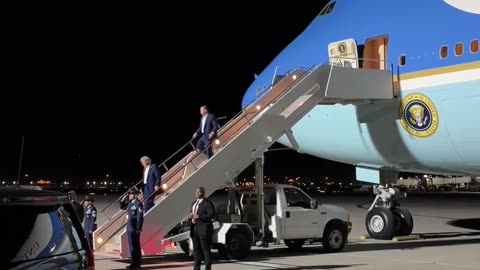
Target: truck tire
295, 243
184, 245
238, 246
335, 236
223, 252
380, 223
404, 221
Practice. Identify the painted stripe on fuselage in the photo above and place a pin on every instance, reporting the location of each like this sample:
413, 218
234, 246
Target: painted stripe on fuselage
438, 71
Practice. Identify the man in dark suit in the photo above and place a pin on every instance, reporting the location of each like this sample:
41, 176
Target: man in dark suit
151, 182
201, 229
207, 131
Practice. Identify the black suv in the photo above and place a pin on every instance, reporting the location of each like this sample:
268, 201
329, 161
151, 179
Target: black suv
41, 230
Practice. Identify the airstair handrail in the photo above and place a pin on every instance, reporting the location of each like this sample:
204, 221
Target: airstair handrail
196, 153
193, 154
140, 181
190, 142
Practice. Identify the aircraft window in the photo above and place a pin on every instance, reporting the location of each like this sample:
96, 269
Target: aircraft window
474, 46
327, 9
403, 60
459, 49
444, 52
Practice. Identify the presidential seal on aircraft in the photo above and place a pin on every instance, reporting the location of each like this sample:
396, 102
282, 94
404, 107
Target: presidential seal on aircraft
418, 115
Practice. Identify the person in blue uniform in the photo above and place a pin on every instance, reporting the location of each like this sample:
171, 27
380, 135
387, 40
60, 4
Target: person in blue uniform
90, 219
134, 226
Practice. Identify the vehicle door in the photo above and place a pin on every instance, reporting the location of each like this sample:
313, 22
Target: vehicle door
301, 217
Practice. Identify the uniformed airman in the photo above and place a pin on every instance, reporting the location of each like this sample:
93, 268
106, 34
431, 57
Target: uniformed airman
135, 211
90, 219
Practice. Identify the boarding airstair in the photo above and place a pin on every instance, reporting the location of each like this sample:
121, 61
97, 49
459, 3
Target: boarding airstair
243, 139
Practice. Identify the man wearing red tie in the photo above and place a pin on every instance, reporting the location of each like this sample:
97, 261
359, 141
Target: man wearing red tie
201, 229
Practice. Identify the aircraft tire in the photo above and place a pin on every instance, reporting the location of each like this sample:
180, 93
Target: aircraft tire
380, 223
405, 220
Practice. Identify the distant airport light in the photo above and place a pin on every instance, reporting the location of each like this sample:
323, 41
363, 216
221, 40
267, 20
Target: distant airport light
164, 186
31, 182
294, 77
217, 141
258, 107
14, 182
99, 240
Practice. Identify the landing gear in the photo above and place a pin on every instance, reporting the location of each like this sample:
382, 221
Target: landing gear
387, 220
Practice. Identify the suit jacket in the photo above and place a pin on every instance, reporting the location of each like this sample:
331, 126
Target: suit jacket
211, 125
153, 179
204, 223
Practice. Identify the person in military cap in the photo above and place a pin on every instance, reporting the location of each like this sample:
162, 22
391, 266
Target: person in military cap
135, 211
90, 219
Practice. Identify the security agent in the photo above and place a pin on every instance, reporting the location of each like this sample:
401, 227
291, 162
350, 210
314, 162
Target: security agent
201, 228
134, 226
90, 219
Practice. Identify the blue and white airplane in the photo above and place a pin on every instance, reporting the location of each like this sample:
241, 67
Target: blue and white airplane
431, 126
433, 47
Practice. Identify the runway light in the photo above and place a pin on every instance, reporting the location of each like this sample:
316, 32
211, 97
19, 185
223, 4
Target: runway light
99, 240
294, 77
164, 186
217, 141
258, 107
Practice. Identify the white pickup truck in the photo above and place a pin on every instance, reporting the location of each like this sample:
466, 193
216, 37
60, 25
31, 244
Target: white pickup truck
289, 215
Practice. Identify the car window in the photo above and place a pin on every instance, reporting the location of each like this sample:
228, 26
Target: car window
270, 196
296, 198
38, 235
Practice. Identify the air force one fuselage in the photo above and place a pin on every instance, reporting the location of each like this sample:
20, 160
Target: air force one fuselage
432, 47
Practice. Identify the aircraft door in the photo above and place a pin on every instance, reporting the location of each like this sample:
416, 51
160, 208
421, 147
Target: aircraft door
375, 53
343, 53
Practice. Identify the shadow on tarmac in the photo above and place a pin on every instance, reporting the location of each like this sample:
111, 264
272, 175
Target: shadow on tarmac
269, 255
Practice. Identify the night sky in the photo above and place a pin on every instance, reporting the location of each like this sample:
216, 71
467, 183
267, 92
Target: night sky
96, 90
